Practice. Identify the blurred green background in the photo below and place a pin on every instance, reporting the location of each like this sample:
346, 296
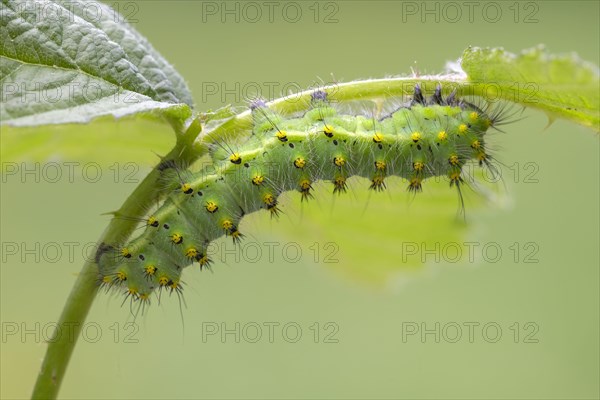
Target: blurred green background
369, 300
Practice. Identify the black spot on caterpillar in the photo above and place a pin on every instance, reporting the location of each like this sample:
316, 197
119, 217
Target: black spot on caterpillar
421, 139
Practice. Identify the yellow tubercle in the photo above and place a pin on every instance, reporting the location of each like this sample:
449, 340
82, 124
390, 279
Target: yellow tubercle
305, 184
227, 224
299, 163
177, 238
125, 252
235, 158
163, 281
211, 207
282, 136
191, 253
269, 199
258, 180
150, 270
339, 161
186, 188
454, 176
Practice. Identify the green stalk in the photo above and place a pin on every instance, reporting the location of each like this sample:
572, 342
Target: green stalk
372, 89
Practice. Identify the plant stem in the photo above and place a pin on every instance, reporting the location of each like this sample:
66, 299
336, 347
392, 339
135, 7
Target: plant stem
79, 302
60, 349
372, 89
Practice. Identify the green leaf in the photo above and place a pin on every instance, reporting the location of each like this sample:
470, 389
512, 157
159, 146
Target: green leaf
136, 139
563, 86
61, 63
363, 258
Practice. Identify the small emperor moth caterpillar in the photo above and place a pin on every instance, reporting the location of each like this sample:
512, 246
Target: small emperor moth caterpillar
420, 139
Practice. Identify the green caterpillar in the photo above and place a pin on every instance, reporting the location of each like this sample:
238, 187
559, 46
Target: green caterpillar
421, 139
